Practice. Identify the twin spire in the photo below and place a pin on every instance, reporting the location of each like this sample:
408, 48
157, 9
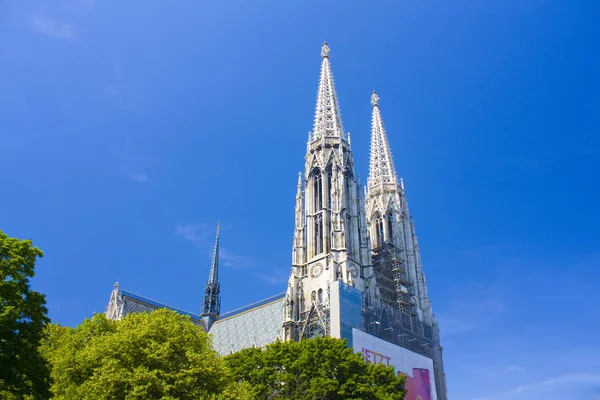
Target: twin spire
328, 116
381, 165
328, 123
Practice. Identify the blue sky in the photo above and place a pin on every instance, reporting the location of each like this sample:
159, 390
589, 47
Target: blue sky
128, 129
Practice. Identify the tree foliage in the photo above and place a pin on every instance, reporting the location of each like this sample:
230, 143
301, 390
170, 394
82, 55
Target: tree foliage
23, 315
160, 355
322, 368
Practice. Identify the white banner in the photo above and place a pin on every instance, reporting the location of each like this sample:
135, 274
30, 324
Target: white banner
420, 381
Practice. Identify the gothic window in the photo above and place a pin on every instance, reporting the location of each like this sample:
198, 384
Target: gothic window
318, 190
320, 296
378, 231
390, 232
348, 182
329, 189
348, 232
318, 234
313, 296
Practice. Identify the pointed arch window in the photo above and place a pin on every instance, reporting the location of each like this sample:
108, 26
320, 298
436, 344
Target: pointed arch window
320, 296
301, 301
390, 231
349, 236
348, 181
318, 244
329, 188
379, 231
318, 190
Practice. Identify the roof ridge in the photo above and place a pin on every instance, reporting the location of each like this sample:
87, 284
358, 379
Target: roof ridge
228, 313
128, 292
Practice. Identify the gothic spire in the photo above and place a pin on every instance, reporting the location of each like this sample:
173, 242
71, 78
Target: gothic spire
328, 117
213, 276
212, 293
381, 167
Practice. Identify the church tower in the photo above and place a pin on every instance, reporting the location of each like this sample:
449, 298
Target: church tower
392, 230
330, 237
211, 305
395, 250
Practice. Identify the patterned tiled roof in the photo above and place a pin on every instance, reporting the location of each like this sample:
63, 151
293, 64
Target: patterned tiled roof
255, 325
135, 303
252, 305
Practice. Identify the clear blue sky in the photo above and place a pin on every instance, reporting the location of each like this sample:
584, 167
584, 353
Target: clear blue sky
129, 128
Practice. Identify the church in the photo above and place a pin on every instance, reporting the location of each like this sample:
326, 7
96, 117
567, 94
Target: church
356, 268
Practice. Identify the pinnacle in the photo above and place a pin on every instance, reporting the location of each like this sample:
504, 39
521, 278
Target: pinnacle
374, 99
325, 50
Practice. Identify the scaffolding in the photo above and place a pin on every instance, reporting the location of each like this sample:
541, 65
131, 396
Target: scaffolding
394, 286
393, 317
396, 326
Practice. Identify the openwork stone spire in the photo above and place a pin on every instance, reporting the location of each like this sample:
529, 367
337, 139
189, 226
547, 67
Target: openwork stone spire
212, 293
328, 117
381, 167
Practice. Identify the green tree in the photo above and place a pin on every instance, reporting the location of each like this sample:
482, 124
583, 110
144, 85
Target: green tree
322, 368
23, 315
160, 355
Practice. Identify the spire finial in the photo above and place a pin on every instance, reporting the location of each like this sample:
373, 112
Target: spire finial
299, 180
374, 99
325, 50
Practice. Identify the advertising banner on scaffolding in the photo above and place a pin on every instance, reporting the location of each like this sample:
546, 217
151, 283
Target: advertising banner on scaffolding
420, 382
